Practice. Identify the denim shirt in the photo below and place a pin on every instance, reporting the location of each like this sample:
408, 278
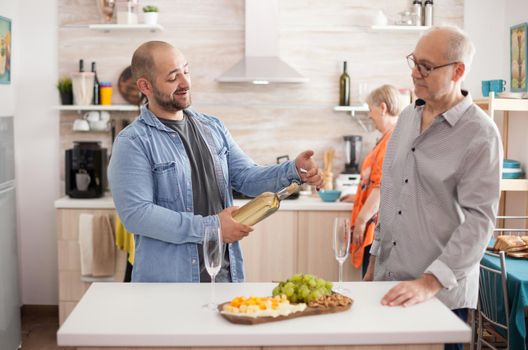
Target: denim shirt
150, 179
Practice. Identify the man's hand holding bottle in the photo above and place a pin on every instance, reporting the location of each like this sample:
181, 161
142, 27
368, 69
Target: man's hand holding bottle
232, 231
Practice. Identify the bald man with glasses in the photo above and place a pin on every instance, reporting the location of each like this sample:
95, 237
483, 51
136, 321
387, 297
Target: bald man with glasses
441, 184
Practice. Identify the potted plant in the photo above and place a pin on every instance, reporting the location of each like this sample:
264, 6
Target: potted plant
151, 15
65, 90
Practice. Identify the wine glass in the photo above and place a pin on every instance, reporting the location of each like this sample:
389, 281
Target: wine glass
342, 233
212, 251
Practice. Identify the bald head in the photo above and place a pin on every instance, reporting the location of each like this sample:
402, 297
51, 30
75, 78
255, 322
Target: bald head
146, 57
453, 43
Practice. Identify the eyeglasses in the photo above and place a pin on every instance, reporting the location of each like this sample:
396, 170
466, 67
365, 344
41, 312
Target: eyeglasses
423, 68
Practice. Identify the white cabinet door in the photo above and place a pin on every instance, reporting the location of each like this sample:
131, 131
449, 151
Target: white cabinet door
9, 291
7, 151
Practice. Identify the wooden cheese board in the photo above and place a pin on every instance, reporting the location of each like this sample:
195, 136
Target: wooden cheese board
309, 311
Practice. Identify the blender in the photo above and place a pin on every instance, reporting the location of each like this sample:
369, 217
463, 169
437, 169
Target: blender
348, 181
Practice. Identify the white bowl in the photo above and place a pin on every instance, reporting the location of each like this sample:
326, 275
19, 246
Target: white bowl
81, 125
98, 125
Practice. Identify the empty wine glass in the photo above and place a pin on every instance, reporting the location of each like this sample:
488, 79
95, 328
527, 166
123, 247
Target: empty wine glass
212, 251
342, 234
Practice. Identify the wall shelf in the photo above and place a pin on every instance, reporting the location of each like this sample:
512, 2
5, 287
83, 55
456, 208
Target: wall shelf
399, 28
123, 108
504, 104
125, 27
514, 185
353, 109
361, 108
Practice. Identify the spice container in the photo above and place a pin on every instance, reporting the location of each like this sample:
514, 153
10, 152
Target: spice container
127, 12
105, 92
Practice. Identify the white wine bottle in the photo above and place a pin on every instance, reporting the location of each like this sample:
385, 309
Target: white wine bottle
263, 205
344, 87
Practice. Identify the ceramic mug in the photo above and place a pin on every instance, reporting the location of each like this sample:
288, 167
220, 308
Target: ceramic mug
92, 116
81, 125
82, 180
105, 116
497, 85
98, 125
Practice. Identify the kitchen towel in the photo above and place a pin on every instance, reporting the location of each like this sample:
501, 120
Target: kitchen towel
103, 247
85, 243
125, 240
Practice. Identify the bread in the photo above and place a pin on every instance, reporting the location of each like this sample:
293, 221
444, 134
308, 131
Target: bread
510, 243
519, 255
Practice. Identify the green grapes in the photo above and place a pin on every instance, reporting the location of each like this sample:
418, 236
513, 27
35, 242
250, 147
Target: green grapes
303, 288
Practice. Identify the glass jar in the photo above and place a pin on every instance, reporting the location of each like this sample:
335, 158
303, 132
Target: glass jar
105, 92
406, 18
127, 11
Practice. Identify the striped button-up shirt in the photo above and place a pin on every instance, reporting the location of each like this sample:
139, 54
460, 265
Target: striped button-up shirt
439, 197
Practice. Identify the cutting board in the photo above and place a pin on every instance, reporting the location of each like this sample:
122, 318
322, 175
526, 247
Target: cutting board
127, 87
309, 311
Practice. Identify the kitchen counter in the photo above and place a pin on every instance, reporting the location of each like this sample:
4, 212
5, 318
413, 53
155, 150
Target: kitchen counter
296, 238
301, 204
171, 315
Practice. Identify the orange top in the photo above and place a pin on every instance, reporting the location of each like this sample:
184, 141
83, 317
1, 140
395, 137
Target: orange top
370, 179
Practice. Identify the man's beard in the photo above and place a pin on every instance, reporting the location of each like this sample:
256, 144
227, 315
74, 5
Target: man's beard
168, 102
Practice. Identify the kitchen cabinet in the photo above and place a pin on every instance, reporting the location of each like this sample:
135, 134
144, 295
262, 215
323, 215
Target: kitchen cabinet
297, 238
292, 242
270, 251
71, 287
316, 254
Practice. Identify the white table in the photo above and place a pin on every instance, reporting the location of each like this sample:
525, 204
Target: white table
171, 315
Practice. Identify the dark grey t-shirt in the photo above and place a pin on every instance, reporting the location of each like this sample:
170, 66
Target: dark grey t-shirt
206, 195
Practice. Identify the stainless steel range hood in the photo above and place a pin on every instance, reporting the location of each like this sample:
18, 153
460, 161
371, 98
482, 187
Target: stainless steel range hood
261, 64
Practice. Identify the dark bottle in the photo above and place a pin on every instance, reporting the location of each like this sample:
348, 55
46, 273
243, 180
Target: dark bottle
344, 87
81, 65
96, 97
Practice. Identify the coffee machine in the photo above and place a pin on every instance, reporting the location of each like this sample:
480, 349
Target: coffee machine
348, 181
85, 173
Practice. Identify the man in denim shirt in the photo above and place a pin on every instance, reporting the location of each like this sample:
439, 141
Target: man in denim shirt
171, 174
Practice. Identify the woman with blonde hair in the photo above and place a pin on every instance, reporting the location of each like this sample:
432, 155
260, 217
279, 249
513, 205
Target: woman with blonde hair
384, 107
